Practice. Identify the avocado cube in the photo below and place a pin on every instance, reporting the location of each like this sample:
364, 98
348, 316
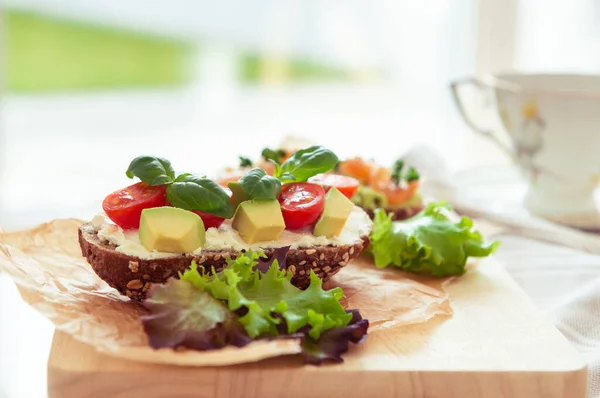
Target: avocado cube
259, 220
336, 211
238, 193
172, 230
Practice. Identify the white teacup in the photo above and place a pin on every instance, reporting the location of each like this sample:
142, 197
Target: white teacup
551, 129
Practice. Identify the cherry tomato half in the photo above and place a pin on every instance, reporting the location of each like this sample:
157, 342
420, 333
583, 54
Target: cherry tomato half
301, 204
345, 184
124, 207
209, 220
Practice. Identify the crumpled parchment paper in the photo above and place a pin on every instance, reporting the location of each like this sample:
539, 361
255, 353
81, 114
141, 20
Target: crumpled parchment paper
46, 264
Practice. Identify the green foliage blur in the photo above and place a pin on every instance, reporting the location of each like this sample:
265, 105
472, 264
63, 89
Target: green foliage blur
48, 54
45, 53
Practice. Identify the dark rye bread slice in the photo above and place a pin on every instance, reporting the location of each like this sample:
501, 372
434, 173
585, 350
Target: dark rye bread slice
397, 214
133, 276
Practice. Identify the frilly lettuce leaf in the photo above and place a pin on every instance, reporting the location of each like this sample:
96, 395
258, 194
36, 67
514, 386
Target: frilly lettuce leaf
184, 316
252, 298
334, 342
280, 255
260, 296
428, 243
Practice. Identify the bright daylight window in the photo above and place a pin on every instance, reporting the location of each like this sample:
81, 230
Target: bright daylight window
122, 75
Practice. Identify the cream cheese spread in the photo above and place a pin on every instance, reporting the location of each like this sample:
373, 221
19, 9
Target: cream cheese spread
226, 238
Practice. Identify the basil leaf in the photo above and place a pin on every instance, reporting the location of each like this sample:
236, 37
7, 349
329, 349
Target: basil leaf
397, 171
287, 177
412, 175
309, 162
182, 177
277, 173
191, 192
257, 184
398, 176
245, 162
152, 170
273, 154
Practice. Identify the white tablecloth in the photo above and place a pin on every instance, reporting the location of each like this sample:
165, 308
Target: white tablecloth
565, 285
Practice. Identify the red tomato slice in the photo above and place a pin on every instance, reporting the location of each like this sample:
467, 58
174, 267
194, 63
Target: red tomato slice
124, 207
345, 184
301, 204
209, 220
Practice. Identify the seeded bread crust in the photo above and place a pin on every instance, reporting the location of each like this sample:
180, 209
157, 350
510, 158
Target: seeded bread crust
133, 276
397, 214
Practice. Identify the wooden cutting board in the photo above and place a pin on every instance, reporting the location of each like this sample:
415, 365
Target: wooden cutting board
497, 345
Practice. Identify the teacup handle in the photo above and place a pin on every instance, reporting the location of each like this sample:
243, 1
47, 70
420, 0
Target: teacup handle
481, 86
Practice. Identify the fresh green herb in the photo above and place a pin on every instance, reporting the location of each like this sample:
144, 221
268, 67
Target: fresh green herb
273, 154
412, 175
397, 171
245, 162
428, 243
187, 191
278, 171
306, 163
270, 297
152, 170
191, 192
287, 177
283, 177
182, 177
397, 177
257, 184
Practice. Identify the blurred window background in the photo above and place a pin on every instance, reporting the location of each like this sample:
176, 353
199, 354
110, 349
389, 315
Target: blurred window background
89, 85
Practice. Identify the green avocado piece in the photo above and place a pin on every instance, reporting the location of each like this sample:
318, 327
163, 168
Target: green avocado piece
239, 195
258, 220
172, 230
336, 211
368, 198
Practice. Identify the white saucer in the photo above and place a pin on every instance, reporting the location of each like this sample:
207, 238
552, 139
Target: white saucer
501, 190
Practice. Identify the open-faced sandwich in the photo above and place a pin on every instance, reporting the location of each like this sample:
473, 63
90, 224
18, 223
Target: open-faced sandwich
395, 190
366, 183
240, 264
153, 230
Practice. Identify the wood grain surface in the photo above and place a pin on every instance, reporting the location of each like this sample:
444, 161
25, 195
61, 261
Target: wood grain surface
497, 345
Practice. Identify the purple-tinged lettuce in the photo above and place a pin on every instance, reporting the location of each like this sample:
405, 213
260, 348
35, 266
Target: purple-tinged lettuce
243, 286
335, 342
184, 316
250, 299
